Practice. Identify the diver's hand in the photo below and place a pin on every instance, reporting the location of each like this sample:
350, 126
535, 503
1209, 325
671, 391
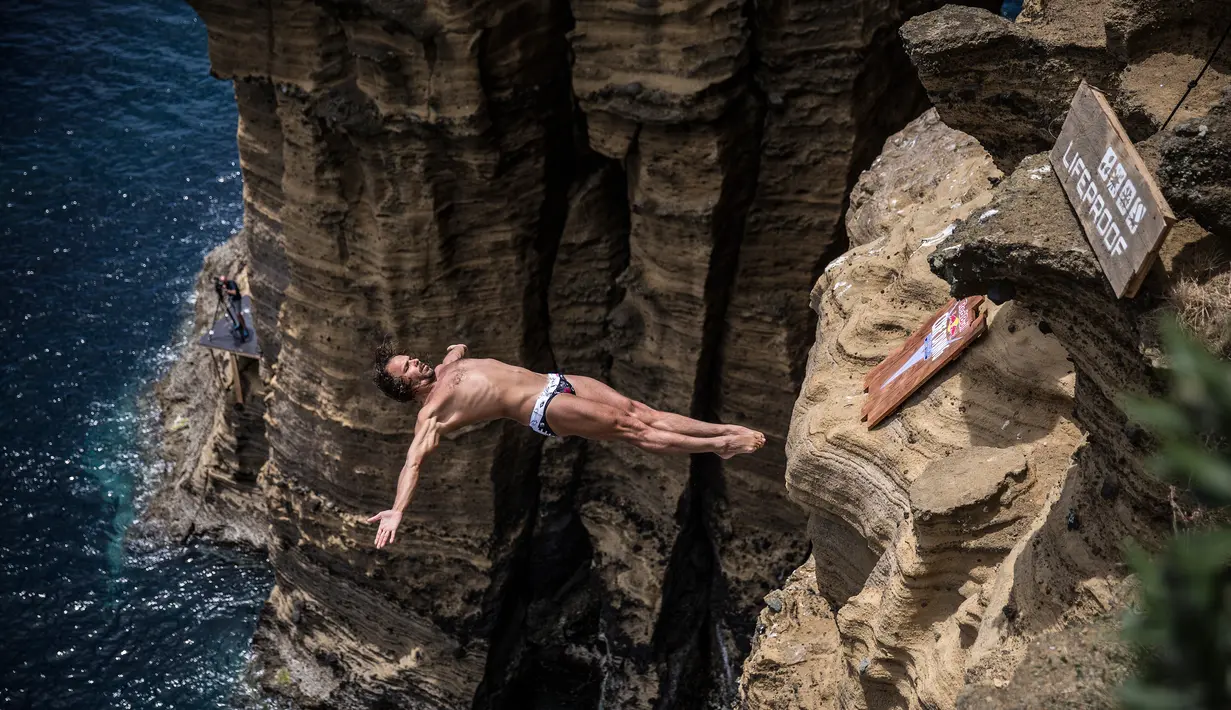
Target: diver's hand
389, 520
459, 345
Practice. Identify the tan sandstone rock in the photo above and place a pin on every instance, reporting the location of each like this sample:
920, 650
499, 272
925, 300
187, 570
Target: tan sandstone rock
644, 191
641, 191
1010, 84
912, 521
954, 552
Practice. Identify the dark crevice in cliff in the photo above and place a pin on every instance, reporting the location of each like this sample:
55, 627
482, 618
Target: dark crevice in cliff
560, 173
550, 659
680, 641
547, 607
511, 591
690, 637
686, 637
889, 110
886, 66
616, 293
740, 155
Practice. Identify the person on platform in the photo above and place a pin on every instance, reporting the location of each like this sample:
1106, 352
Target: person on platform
462, 391
230, 289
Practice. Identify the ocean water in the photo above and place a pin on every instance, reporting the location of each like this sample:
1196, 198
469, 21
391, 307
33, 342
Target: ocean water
118, 173
1010, 9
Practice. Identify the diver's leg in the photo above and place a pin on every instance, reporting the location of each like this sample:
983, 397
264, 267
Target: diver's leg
592, 389
572, 415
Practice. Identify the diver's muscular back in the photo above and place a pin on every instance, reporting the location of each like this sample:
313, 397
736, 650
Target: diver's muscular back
473, 390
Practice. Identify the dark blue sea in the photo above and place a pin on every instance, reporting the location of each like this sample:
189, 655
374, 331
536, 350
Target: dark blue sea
118, 172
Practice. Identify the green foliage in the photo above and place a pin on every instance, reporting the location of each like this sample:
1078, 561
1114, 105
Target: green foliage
1183, 627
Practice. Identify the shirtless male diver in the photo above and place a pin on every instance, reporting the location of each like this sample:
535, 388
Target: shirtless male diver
461, 391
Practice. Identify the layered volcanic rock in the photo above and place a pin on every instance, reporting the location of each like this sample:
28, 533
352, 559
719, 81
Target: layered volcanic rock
1108, 495
947, 545
643, 192
638, 191
395, 175
1035, 246
911, 521
1010, 84
217, 446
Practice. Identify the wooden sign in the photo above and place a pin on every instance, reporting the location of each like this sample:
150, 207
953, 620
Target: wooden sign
1122, 211
941, 339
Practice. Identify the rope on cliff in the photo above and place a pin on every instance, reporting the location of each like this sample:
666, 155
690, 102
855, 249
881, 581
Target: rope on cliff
1193, 84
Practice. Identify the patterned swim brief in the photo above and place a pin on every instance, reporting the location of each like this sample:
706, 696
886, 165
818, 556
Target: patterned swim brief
538, 418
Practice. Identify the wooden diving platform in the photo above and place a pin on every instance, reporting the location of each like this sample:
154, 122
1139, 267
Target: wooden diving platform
221, 337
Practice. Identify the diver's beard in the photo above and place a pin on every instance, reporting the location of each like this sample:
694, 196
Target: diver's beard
425, 385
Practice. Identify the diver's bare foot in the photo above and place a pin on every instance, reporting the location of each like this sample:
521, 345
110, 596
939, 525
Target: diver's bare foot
742, 441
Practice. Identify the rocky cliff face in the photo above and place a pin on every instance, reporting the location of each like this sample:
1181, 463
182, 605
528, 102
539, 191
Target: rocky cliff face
912, 521
1009, 84
990, 510
641, 191
217, 448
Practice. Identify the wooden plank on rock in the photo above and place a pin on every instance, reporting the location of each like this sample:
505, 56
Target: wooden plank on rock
937, 342
1121, 210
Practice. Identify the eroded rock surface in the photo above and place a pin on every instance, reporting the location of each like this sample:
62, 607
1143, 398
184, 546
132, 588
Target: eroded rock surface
638, 191
1081, 668
1195, 162
912, 521
951, 563
1010, 84
217, 448
790, 665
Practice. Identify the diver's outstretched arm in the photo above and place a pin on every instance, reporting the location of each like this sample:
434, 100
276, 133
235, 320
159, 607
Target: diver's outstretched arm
427, 438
